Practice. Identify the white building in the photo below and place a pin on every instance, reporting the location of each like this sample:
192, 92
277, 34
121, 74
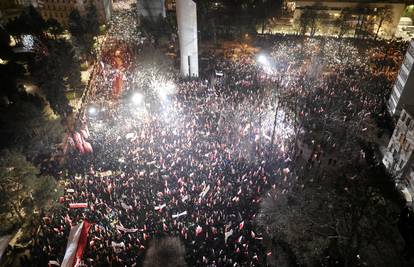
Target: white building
187, 33
331, 10
403, 91
60, 9
399, 157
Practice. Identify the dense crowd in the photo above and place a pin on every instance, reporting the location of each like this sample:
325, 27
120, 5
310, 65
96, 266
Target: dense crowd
194, 158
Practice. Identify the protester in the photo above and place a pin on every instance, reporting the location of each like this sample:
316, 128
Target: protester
196, 162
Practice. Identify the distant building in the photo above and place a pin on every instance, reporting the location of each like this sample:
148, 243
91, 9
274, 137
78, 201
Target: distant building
399, 157
403, 90
11, 9
60, 9
152, 9
330, 10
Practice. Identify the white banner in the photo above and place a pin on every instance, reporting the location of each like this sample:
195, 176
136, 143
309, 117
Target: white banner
178, 215
127, 230
160, 207
72, 245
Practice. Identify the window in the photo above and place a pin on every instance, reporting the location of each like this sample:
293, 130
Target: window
407, 123
401, 138
403, 116
394, 154
401, 164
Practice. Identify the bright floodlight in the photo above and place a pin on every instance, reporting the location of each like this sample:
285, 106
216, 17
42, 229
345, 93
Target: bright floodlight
262, 59
137, 98
92, 111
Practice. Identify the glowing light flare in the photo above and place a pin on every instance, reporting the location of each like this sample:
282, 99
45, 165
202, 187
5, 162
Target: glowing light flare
137, 98
28, 42
92, 111
163, 88
262, 59
284, 128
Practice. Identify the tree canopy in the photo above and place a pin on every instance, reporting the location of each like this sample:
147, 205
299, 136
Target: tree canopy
22, 189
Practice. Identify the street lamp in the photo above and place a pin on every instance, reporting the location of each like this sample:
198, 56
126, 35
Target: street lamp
262, 59
92, 111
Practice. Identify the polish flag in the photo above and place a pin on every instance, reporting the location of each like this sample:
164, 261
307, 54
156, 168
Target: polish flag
199, 230
77, 240
241, 225
145, 236
78, 205
87, 147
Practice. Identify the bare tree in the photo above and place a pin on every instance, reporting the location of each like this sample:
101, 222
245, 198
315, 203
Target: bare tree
385, 16
343, 22
305, 21
347, 217
165, 252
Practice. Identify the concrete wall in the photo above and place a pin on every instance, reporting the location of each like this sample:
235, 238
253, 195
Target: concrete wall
403, 90
152, 9
187, 33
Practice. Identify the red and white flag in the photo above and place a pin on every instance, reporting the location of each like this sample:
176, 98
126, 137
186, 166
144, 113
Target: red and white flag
78, 205
78, 237
198, 230
241, 225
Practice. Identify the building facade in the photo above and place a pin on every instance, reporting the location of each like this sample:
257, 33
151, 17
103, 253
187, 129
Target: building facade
399, 157
11, 9
403, 91
60, 9
152, 9
330, 10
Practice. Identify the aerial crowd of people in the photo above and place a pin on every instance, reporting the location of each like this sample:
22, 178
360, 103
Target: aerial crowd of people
193, 158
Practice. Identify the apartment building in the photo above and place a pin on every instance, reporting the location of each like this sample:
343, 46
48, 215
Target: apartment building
60, 9
399, 157
403, 91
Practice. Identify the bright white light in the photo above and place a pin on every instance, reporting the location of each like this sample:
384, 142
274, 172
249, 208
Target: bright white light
28, 42
262, 59
137, 98
92, 111
163, 88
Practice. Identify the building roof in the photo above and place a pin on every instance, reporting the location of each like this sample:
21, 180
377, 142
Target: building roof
409, 109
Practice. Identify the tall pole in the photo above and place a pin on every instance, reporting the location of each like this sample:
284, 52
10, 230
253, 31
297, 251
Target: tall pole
275, 122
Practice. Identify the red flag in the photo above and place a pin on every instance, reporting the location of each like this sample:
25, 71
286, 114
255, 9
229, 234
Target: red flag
76, 244
78, 142
241, 225
87, 147
82, 241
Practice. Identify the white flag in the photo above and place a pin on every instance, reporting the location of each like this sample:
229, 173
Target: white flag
227, 235
178, 215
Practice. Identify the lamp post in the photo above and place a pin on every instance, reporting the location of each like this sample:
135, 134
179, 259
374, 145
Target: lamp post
276, 97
